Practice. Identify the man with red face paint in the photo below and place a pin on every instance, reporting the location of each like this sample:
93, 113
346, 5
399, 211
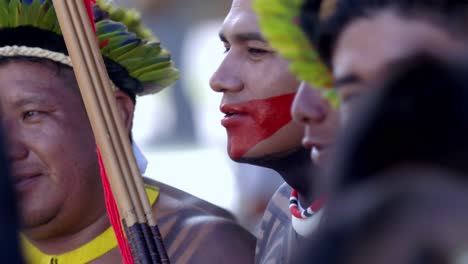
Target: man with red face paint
258, 91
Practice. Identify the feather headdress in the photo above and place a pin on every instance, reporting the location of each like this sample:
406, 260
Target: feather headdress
139, 53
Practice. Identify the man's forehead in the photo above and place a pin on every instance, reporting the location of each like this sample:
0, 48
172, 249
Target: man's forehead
240, 20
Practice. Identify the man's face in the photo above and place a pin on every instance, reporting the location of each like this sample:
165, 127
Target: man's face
50, 146
257, 88
320, 121
368, 45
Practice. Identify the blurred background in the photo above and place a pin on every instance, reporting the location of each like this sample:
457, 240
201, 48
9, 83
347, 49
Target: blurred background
179, 129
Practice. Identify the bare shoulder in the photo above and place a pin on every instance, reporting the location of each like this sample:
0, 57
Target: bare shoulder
190, 226
279, 203
275, 229
171, 198
216, 240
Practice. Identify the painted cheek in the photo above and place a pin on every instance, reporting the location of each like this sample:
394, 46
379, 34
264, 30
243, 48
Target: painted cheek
265, 117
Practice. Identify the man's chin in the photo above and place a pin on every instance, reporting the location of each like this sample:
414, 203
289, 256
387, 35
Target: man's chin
32, 220
264, 160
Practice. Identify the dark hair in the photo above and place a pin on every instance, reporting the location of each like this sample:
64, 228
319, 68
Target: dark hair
420, 116
450, 15
34, 37
309, 18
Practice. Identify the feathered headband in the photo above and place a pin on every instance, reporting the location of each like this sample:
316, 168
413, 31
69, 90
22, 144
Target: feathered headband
280, 24
122, 38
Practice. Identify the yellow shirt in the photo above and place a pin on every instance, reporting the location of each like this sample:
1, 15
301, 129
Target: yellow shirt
90, 251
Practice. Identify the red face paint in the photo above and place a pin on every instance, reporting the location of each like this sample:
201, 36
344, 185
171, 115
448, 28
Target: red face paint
252, 122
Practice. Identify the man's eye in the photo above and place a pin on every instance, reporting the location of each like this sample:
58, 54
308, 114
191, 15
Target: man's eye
30, 114
257, 52
348, 94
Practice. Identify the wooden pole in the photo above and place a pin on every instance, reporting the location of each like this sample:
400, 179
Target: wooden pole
111, 136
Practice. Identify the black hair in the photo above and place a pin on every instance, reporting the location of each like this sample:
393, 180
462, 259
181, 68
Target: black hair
451, 15
309, 18
34, 37
419, 116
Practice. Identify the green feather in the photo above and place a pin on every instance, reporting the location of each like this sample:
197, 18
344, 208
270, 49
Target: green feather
152, 67
3, 16
137, 52
276, 21
33, 10
148, 62
49, 20
115, 53
13, 13
156, 75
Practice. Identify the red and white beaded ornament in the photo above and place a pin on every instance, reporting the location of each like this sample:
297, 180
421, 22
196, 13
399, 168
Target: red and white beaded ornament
299, 212
302, 221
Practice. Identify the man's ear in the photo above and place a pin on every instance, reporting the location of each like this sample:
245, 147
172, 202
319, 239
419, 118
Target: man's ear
126, 108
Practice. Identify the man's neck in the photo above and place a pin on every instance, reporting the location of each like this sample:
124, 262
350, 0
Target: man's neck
295, 167
73, 240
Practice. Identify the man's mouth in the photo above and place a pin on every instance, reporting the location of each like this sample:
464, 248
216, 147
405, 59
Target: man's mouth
25, 181
229, 114
233, 115
231, 109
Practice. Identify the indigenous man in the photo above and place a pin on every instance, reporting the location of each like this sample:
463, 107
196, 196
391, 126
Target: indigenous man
52, 148
258, 91
381, 193
361, 40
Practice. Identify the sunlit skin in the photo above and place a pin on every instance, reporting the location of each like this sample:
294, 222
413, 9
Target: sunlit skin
368, 45
320, 121
250, 72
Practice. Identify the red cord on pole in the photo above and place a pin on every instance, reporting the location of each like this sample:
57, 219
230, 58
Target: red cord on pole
114, 216
89, 8
111, 206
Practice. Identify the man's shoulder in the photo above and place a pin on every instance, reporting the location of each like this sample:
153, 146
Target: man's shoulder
279, 202
275, 228
190, 225
283, 193
278, 206
173, 200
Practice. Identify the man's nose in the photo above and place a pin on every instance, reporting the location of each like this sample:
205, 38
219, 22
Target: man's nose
227, 78
308, 106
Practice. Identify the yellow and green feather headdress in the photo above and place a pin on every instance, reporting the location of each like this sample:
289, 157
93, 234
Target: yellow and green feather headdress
122, 38
279, 21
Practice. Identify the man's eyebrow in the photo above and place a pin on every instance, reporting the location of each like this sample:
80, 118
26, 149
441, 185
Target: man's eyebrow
243, 37
348, 79
31, 100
